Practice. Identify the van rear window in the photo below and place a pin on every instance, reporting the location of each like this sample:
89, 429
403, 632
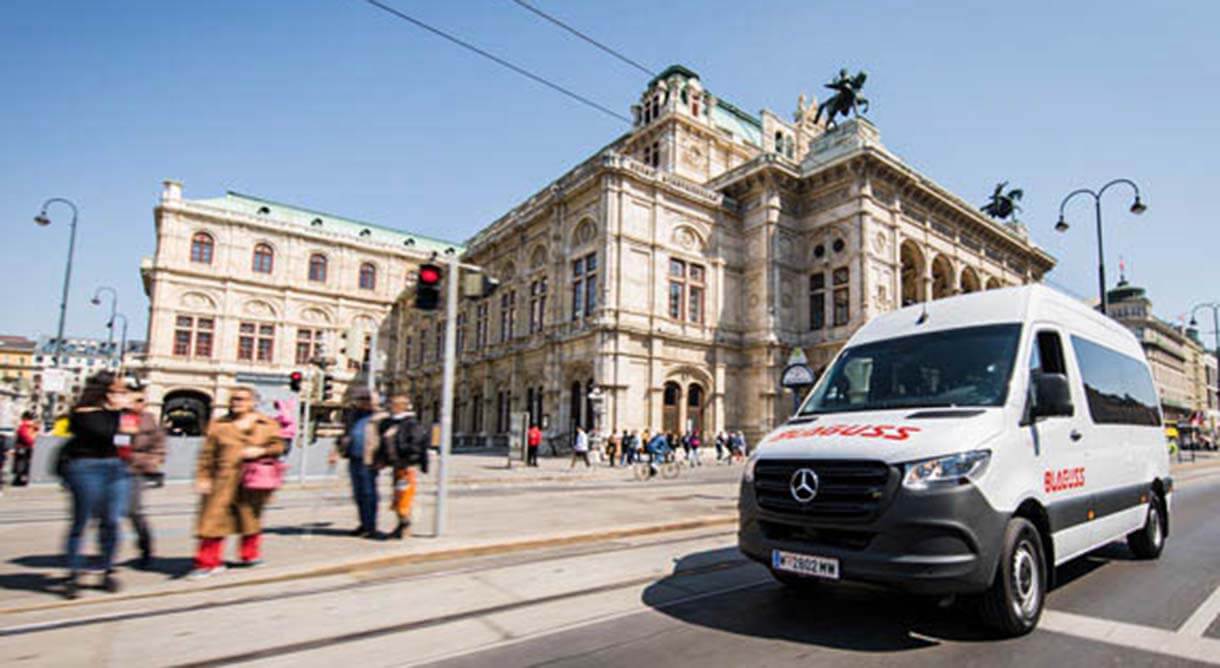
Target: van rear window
1119, 388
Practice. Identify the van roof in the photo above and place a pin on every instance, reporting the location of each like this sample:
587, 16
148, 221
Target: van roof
1026, 303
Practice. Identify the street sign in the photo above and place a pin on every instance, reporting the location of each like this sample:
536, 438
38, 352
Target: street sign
55, 381
797, 375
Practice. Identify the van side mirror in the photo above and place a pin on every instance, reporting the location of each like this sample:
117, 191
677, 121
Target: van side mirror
1052, 395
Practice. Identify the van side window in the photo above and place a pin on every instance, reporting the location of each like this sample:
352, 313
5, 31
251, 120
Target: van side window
1047, 354
1119, 388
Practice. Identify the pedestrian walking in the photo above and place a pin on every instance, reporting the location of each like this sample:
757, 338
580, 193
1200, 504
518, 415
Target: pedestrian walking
738, 442
696, 442
628, 444
23, 448
533, 439
147, 458
614, 446
96, 473
234, 476
684, 439
580, 448
404, 448
357, 445
721, 444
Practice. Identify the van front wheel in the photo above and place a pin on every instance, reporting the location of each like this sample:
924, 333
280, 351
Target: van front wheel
1013, 604
1148, 542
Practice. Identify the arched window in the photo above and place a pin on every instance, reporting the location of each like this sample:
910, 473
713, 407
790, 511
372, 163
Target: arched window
694, 407
317, 268
263, 258
670, 400
201, 248
368, 276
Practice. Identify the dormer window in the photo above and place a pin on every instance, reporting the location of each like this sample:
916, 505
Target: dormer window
316, 222
366, 232
409, 242
264, 210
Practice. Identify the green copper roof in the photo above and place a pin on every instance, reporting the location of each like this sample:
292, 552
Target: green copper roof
326, 222
738, 122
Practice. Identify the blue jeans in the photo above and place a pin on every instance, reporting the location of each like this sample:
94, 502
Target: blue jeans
99, 489
364, 489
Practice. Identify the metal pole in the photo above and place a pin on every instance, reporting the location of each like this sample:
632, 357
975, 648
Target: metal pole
1101, 257
63, 302
447, 383
122, 344
303, 429
372, 365
1216, 332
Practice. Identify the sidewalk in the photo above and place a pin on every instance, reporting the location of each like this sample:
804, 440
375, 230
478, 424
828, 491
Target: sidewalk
491, 510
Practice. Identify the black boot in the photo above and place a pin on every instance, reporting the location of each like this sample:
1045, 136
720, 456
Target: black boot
146, 553
71, 588
109, 583
403, 526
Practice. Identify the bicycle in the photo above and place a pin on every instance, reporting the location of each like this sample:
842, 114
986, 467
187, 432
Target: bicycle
667, 467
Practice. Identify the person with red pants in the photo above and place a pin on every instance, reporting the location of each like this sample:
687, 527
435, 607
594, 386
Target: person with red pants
226, 507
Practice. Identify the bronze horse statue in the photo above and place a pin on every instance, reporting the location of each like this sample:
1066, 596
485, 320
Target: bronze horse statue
846, 100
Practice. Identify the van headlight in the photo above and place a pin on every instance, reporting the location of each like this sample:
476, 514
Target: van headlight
751, 462
949, 470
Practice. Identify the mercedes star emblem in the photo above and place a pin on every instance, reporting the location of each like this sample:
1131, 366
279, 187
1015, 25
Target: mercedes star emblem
804, 485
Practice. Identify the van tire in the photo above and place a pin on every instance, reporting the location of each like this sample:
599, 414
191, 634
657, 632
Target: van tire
1013, 604
1148, 542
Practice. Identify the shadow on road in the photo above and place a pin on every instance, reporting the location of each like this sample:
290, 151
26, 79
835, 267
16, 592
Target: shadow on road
844, 616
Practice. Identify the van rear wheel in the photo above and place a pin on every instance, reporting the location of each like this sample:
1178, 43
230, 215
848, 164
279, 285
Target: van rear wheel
1148, 542
1013, 604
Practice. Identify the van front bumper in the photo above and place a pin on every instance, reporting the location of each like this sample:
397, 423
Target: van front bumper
937, 541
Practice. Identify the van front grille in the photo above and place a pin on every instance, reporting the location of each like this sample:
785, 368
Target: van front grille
847, 490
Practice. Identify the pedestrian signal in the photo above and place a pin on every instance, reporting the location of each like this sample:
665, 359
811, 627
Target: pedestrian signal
328, 387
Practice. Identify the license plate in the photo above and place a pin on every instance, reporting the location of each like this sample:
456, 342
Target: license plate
805, 564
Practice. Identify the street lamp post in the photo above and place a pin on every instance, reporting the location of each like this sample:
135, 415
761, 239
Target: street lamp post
1215, 309
122, 339
114, 303
43, 220
1137, 207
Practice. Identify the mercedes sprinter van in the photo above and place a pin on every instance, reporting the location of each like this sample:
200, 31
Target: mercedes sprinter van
968, 445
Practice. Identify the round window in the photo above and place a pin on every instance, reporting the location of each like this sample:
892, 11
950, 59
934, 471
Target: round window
819, 250
839, 245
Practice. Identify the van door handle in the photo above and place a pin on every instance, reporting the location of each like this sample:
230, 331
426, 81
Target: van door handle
1075, 435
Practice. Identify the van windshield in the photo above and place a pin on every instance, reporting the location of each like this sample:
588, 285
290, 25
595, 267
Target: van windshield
957, 367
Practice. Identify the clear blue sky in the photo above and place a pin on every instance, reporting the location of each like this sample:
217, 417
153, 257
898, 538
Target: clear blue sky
335, 105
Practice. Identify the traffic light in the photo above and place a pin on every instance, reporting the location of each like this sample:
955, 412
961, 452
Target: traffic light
294, 381
428, 287
328, 387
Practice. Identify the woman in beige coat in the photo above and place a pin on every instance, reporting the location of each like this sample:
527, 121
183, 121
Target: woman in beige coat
226, 507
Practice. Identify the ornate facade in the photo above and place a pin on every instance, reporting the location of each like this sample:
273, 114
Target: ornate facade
243, 285
663, 282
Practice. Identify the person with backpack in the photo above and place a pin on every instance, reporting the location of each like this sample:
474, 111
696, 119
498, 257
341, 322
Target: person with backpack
95, 470
580, 448
404, 448
231, 476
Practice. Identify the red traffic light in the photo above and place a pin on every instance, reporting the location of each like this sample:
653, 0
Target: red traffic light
294, 380
429, 274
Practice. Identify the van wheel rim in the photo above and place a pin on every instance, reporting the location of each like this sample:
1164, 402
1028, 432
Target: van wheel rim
1025, 580
1154, 526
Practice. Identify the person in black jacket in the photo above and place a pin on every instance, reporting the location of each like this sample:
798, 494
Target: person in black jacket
96, 472
404, 447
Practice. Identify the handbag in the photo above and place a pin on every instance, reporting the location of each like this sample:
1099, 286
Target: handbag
263, 475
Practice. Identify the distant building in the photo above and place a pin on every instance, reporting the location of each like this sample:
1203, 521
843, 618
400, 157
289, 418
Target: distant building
246, 289
1184, 370
663, 282
17, 367
79, 358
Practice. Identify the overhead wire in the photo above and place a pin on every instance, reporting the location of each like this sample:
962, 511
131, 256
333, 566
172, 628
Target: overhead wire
498, 60
585, 37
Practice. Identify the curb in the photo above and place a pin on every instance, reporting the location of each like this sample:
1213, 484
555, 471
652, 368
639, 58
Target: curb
364, 565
